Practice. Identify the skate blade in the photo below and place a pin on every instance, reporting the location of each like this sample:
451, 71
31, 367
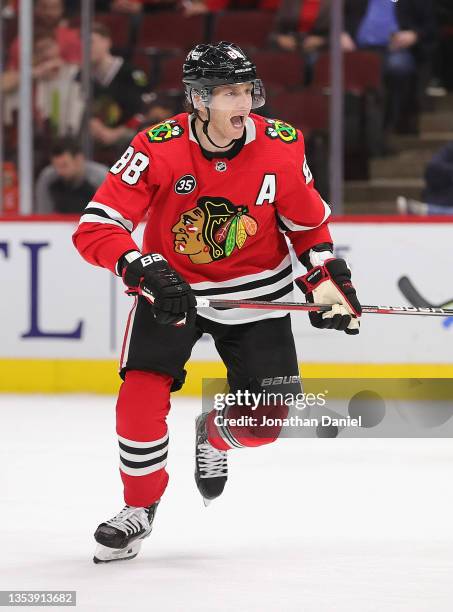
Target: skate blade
104, 554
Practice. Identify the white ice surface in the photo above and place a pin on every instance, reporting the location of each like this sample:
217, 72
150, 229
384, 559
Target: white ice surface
346, 525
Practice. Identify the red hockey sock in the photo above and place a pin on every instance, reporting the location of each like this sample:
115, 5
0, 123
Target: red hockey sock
240, 427
141, 412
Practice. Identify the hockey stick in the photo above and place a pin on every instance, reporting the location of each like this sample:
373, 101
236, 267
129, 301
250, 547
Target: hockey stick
304, 306
413, 296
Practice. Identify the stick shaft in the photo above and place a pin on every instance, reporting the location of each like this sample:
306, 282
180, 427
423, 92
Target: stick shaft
263, 305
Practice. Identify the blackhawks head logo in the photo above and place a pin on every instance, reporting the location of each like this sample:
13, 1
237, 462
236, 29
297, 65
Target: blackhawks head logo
165, 131
282, 130
212, 230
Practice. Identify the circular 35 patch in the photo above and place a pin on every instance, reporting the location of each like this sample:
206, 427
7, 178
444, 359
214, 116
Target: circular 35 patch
186, 184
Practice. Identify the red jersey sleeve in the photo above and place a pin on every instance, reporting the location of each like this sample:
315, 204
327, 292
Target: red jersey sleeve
120, 203
301, 211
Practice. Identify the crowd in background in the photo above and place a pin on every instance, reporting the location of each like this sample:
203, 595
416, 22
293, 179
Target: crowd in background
413, 40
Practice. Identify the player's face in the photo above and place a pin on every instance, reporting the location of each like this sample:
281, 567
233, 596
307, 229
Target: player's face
188, 237
230, 106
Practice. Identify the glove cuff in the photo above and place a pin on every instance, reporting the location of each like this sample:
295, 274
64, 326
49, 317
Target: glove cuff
125, 259
317, 255
338, 268
312, 279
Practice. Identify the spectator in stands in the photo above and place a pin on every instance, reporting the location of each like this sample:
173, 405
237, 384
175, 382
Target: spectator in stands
132, 7
127, 6
9, 9
438, 193
58, 103
159, 107
117, 94
49, 21
442, 77
404, 32
10, 184
199, 7
69, 182
303, 26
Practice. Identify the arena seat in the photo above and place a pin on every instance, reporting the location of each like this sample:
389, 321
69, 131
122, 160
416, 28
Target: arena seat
307, 110
278, 69
170, 73
118, 24
248, 29
170, 30
362, 71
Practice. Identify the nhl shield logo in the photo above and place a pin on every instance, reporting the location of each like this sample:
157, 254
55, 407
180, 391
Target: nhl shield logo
220, 166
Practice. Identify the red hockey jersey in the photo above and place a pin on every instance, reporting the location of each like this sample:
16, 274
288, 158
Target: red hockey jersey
219, 222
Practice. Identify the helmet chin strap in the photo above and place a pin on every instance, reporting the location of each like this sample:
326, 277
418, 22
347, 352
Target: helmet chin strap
205, 132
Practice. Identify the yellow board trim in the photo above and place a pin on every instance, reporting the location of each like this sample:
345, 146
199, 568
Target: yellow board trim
100, 376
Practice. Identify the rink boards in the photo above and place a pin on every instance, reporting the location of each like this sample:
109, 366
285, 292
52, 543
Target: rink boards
62, 319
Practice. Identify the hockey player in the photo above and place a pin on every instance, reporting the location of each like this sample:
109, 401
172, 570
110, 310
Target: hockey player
219, 188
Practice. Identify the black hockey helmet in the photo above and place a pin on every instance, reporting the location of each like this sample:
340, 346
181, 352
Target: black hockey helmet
223, 63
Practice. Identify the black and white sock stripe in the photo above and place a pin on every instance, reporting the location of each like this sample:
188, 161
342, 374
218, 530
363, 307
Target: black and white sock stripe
95, 212
225, 432
142, 458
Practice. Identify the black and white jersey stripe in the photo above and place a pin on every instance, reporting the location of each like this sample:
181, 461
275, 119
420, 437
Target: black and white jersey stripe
223, 288
95, 212
250, 286
271, 285
285, 224
142, 458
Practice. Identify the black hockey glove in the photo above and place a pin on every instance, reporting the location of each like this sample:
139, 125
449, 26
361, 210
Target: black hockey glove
330, 283
150, 275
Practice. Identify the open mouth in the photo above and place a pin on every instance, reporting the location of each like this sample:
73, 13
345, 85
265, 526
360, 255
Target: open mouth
238, 121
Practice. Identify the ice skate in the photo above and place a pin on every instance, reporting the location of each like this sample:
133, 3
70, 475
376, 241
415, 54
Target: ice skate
121, 537
211, 464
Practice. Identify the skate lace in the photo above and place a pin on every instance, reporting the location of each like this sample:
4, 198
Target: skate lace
131, 520
212, 462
